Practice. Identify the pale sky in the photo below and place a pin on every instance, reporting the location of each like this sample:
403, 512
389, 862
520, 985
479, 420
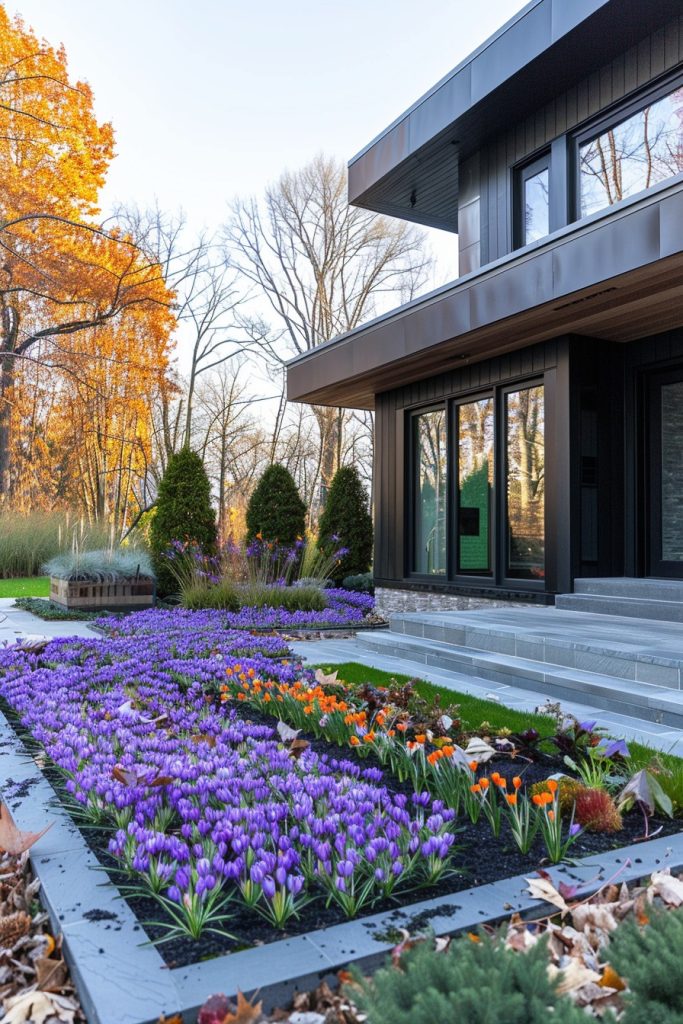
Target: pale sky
215, 98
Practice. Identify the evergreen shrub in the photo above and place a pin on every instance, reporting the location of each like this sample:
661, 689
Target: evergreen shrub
472, 983
275, 510
650, 961
346, 523
362, 583
183, 512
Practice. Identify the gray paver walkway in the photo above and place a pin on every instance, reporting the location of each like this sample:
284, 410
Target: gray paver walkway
16, 623
661, 737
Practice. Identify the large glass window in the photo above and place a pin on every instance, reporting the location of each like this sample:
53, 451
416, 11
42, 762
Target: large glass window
533, 201
475, 486
525, 483
430, 444
642, 150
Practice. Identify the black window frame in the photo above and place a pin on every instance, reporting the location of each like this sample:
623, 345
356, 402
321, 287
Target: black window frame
541, 161
611, 117
498, 578
455, 573
411, 490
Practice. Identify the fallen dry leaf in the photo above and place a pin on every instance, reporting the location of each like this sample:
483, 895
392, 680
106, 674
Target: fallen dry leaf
13, 927
667, 887
37, 1007
479, 750
610, 979
297, 748
13, 841
595, 915
542, 889
245, 1012
325, 680
203, 737
286, 733
51, 975
573, 977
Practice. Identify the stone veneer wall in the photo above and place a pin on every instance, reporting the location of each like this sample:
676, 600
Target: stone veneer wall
389, 601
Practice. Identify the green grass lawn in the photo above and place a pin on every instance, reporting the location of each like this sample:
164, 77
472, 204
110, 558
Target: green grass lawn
33, 586
474, 711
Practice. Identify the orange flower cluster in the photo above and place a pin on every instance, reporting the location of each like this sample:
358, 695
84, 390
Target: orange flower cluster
445, 751
497, 779
547, 797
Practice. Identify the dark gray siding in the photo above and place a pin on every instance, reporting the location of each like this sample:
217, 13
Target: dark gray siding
652, 57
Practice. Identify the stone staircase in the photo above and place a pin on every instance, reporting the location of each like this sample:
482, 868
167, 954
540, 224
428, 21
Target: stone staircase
637, 598
622, 664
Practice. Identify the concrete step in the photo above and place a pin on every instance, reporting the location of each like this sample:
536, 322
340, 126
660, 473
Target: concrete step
649, 654
642, 700
650, 589
614, 604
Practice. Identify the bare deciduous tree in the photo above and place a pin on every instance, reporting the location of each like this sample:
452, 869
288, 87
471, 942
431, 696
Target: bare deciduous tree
320, 267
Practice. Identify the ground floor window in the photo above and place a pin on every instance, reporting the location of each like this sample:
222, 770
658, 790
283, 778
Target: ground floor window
430, 447
478, 487
525, 483
474, 510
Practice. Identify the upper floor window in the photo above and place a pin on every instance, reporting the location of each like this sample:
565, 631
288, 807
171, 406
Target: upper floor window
633, 154
533, 201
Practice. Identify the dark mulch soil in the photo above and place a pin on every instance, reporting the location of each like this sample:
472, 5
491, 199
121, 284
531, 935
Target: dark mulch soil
481, 859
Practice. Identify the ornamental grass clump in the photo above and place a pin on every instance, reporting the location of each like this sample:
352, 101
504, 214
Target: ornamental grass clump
107, 565
596, 811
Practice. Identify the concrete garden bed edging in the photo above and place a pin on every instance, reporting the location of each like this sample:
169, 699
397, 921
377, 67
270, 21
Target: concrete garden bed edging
121, 980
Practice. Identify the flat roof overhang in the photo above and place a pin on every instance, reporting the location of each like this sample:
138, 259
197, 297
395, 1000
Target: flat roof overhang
411, 169
617, 276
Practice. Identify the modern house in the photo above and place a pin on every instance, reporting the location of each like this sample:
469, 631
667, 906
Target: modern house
529, 415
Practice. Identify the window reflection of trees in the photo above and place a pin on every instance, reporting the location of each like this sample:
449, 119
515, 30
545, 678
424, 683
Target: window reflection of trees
526, 482
643, 150
536, 207
475, 482
430, 512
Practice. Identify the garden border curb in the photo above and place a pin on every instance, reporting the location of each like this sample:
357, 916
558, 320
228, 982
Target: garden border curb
120, 981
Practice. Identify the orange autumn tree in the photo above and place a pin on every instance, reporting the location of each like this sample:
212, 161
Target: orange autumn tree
68, 287
105, 423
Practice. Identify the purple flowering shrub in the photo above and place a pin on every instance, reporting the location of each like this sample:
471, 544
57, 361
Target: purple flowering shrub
207, 810
345, 607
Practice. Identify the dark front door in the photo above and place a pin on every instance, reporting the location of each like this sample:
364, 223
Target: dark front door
665, 474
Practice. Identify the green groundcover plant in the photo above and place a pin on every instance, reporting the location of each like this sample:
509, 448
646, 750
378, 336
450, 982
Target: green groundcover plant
51, 612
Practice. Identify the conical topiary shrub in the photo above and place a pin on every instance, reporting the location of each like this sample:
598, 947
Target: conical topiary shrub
183, 513
276, 511
347, 523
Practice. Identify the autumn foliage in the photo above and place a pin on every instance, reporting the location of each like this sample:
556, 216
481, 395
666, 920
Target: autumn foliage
85, 314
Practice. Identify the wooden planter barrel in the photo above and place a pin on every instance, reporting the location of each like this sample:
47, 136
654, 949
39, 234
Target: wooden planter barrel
128, 595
